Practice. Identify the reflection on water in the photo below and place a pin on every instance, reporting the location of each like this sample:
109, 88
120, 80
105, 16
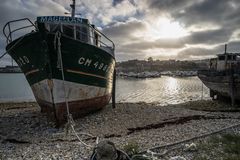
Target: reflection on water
172, 85
164, 90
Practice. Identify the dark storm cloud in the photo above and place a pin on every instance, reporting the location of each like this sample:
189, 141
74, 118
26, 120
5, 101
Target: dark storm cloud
169, 5
115, 2
196, 52
189, 53
232, 47
219, 12
200, 12
208, 37
124, 30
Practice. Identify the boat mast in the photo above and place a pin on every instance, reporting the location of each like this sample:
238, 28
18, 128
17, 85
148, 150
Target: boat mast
225, 53
73, 8
225, 48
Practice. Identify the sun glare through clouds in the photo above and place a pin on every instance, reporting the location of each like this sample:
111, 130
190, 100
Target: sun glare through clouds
165, 28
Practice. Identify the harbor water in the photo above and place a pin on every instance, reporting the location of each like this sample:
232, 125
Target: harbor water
164, 90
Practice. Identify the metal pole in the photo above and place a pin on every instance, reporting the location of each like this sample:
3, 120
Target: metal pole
73, 8
114, 90
10, 34
232, 86
225, 48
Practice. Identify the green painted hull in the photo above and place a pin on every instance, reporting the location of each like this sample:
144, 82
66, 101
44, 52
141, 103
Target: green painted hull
82, 63
88, 72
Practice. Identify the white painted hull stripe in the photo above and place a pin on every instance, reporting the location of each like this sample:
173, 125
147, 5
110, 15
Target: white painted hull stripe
84, 73
31, 72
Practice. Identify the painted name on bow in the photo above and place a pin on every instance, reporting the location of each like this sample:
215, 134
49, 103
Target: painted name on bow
95, 64
60, 19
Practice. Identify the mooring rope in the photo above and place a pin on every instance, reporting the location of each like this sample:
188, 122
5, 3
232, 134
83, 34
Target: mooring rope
70, 121
58, 36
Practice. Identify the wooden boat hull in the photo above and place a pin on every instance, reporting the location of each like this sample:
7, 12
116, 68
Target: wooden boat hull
88, 72
222, 85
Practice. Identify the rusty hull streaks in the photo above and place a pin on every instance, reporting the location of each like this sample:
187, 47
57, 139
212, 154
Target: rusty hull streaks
77, 108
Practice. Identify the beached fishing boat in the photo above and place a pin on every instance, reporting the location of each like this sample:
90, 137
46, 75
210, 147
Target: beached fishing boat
68, 63
223, 76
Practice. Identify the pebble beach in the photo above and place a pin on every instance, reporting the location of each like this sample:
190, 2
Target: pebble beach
26, 133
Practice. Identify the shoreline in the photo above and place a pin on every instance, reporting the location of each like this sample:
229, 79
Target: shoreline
25, 132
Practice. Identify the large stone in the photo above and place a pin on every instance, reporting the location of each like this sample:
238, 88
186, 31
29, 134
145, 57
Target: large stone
177, 158
106, 150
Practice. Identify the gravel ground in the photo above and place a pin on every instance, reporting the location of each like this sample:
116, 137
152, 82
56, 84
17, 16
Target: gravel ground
25, 133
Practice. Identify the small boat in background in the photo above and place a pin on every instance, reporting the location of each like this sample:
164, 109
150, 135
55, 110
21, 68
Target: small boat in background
223, 76
68, 63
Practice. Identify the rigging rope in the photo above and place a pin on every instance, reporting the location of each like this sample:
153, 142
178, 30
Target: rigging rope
70, 121
3, 55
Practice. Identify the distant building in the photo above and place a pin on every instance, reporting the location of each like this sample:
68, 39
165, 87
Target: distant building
157, 65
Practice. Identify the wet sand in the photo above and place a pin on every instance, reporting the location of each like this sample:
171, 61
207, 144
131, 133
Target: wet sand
25, 133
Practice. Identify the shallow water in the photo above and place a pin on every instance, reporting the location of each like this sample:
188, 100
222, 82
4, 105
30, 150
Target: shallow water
14, 88
164, 90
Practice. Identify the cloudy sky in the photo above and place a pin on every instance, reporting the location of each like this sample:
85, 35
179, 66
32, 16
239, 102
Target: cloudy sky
162, 29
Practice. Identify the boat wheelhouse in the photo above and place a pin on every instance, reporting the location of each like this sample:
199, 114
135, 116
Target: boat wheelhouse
76, 28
